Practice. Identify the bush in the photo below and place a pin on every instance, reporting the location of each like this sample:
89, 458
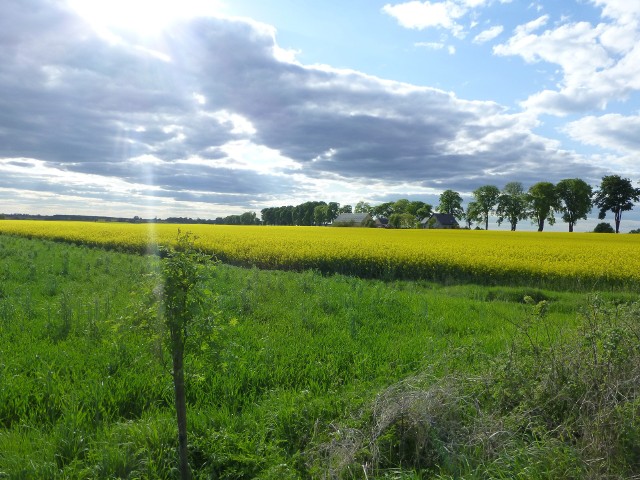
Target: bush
604, 227
636, 230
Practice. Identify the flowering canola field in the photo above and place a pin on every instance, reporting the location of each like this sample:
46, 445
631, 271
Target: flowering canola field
578, 260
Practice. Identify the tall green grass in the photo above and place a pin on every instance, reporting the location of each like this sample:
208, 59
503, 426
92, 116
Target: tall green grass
282, 372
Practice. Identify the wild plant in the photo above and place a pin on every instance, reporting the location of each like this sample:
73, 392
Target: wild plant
180, 301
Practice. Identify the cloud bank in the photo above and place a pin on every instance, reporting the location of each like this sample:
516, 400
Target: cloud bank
212, 117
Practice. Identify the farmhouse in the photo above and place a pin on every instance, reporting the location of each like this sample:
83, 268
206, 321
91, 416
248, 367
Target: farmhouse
352, 220
440, 220
381, 222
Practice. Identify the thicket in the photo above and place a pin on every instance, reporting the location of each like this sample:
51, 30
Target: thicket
296, 375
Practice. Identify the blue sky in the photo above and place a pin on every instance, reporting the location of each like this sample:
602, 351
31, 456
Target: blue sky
207, 108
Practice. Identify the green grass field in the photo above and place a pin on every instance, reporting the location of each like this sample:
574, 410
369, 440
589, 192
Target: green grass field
300, 375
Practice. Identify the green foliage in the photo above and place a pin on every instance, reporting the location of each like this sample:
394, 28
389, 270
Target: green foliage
604, 227
451, 202
616, 194
363, 207
298, 375
181, 300
182, 269
543, 201
472, 215
559, 404
575, 200
486, 198
402, 220
512, 204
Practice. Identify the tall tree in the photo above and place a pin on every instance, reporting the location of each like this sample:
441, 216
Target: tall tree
346, 209
543, 202
418, 209
512, 204
574, 195
383, 209
472, 215
321, 214
616, 194
486, 198
333, 209
402, 220
451, 202
401, 206
363, 207
268, 215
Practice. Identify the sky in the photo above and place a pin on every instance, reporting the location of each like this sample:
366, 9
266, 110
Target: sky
207, 108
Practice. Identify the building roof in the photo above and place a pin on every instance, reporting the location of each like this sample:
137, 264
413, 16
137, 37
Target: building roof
355, 218
442, 219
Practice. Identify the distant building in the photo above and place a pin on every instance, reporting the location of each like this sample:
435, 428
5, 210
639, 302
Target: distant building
440, 220
381, 222
353, 220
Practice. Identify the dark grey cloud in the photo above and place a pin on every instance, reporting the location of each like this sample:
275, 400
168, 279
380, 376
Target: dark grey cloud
84, 105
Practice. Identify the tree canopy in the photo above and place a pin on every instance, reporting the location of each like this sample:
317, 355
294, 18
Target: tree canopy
574, 196
616, 194
486, 198
512, 204
451, 202
571, 197
542, 201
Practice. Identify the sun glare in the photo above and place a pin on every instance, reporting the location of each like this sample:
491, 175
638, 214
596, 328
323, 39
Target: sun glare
143, 17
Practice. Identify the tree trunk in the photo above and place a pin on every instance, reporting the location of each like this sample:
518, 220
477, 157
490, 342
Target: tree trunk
181, 405
618, 218
486, 222
570, 226
541, 225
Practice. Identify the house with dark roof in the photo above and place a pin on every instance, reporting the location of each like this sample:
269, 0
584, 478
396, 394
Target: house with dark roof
381, 222
353, 220
440, 220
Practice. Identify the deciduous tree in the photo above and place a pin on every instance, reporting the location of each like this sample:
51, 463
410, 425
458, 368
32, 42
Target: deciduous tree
486, 198
402, 220
473, 214
363, 207
512, 204
616, 194
419, 210
574, 195
321, 214
543, 202
451, 202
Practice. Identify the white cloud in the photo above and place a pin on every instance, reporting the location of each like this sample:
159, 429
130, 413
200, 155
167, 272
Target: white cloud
623, 11
445, 14
488, 34
599, 63
611, 131
430, 45
451, 50
420, 15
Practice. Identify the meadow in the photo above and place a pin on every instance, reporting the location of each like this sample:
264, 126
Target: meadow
305, 374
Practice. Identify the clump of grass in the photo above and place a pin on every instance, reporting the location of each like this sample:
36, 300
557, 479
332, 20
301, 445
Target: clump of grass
554, 405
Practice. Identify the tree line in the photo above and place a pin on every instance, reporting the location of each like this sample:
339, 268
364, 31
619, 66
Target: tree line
400, 213
572, 199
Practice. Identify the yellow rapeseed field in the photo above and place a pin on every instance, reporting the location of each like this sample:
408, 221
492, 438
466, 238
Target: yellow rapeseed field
578, 260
